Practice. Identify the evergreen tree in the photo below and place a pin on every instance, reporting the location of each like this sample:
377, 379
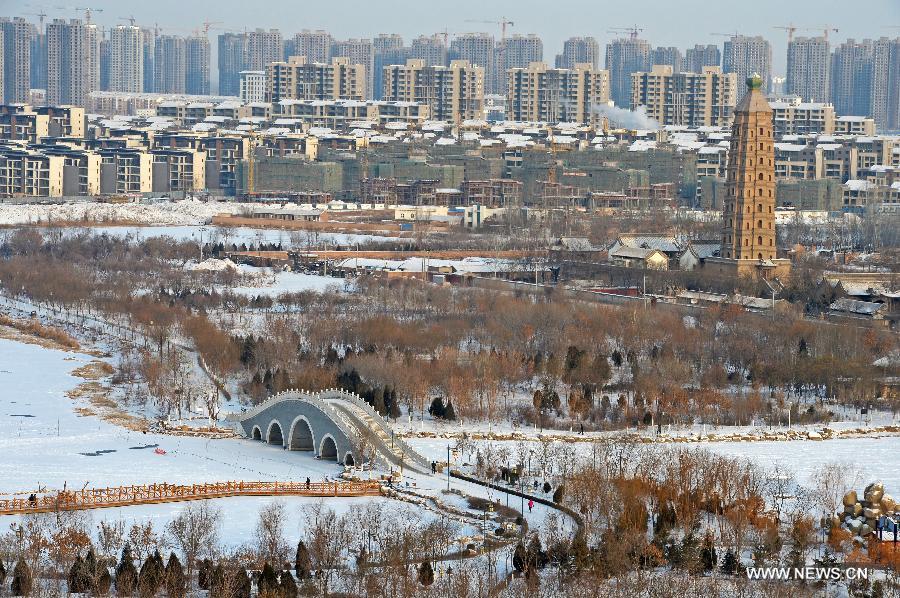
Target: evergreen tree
217, 581
708, 557
729, 563
204, 571
2, 573
437, 408
581, 554
520, 558
21, 579
126, 573
103, 583
240, 584
175, 580
79, 579
302, 562
151, 575
378, 402
267, 585
394, 408
558, 493
450, 413
288, 585
426, 574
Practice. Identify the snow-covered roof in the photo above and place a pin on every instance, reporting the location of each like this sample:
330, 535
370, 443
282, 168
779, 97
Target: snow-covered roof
865, 308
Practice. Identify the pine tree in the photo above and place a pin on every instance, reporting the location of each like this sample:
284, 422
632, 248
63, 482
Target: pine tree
175, 580
302, 562
426, 574
581, 554
559, 493
79, 580
520, 558
204, 571
450, 413
267, 584
103, 583
437, 408
151, 575
2, 573
217, 580
729, 563
288, 585
378, 402
240, 584
708, 557
21, 579
126, 573
394, 409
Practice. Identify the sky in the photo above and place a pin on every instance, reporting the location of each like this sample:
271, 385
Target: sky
679, 23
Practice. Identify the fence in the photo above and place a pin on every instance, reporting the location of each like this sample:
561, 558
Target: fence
125, 496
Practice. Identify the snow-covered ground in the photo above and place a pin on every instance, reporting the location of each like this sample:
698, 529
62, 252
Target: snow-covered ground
164, 212
272, 282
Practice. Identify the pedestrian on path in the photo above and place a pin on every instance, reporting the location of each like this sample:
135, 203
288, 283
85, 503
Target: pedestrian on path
530, 505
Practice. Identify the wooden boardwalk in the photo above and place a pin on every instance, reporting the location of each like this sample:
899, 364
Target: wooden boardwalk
126, 496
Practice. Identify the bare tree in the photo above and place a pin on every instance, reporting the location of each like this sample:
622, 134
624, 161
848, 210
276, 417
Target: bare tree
195, 531
270, 542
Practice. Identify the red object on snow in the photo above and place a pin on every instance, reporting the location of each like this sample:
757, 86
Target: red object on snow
159, 451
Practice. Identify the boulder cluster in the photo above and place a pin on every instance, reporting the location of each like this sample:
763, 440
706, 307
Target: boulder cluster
860, 516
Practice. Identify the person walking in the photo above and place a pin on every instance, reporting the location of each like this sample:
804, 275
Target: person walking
530, 505
307, 483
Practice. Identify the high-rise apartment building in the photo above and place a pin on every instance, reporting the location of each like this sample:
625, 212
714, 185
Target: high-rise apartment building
169, 63
479, 50
17, 34
232, 60
315, 45
670, 56
196, 78
38, 58
104, 63
452, 93
431, 49
2, 90
126, 59
703, 99
851, 78
389, 50
298, 79
359, 52
149, 52
749, 212
519, 51
624, 57
745, 56
263, 48
543, 94
73, 61
579, 50
700, 56
808, 67
886, 83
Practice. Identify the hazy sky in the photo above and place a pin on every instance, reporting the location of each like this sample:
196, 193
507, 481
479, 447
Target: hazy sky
664, 22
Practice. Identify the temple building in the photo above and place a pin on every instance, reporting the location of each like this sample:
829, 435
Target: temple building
748, 219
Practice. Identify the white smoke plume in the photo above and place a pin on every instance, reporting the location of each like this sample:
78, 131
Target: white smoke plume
626, 119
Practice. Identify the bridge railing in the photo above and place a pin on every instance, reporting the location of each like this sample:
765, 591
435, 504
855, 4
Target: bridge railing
95, 498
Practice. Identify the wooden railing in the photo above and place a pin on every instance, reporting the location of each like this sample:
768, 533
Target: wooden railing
124, 496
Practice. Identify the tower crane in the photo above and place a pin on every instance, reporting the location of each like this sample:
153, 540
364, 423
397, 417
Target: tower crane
88, 10
502, 22
632, 32
130, 19
40, 15
207, 25
791, 29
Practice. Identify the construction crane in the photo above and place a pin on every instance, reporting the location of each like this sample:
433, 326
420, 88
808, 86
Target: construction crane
40, 15
88, 10
735, 34
551, 170
791, 29
207, 25
502, 22
826, 29
130, 19
632, 32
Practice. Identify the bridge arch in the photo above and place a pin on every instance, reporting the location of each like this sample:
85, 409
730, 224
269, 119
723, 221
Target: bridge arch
274, 435
328, 448
301, 437
257, 433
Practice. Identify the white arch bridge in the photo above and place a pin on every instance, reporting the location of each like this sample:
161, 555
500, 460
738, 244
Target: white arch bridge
333, 424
